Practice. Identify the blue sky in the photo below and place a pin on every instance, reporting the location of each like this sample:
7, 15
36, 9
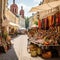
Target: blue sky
27, 5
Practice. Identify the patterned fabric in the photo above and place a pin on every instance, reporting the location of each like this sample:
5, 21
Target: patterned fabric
54, 20
59, 19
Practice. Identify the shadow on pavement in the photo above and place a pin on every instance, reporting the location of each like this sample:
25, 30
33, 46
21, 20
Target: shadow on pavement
53, 59
10, 55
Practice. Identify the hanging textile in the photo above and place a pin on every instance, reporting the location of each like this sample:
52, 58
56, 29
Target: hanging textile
44, 21
47, 24
39, 23
43, 24
59, 19
54, 20
50, 18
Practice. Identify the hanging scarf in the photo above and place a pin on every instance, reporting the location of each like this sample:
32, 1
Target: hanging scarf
39, 24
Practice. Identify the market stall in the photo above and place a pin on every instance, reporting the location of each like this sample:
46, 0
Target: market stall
45, 41
13, 29
5, 41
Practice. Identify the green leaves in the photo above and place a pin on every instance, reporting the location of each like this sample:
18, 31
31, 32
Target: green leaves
36, 22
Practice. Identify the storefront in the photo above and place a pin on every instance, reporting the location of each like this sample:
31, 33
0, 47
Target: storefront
45, 42
5, 39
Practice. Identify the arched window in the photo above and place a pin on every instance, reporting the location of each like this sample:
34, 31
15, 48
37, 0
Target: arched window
15, 10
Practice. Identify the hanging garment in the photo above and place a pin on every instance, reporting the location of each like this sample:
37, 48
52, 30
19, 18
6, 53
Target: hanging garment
50, 18
54, 20
44, 20
59, 19
39, 23
43, 24
47, 24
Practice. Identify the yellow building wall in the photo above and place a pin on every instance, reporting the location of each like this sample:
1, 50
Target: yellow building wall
11, 17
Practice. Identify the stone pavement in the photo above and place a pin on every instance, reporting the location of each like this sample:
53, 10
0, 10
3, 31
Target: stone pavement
19, 50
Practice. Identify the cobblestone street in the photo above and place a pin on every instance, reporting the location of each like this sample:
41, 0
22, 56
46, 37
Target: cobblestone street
29, 29
19, 50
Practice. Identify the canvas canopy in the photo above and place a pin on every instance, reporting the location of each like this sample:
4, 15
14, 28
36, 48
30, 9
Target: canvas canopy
35, 9
46, 6
13, 24
47, 9
54, 4
44, 14
34, 26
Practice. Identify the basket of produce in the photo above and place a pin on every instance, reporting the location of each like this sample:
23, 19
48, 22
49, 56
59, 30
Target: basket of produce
47, 54
34, 53
39, 51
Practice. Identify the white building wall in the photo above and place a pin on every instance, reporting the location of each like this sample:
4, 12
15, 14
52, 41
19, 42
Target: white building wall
22, 22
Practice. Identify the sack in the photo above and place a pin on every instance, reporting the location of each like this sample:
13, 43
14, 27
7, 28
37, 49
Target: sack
39, 51
33, 53
8, 38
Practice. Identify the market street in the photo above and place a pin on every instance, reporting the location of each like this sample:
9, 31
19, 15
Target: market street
19, 50
30, 31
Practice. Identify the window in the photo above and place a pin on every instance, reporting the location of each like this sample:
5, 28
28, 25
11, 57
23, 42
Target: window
15, 10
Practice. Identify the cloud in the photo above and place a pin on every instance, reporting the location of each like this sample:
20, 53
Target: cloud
38, 1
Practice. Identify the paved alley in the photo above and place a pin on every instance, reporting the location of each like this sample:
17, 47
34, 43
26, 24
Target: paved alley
19, 50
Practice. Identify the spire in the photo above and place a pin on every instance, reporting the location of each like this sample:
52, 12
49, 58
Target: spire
13, 1
21, 7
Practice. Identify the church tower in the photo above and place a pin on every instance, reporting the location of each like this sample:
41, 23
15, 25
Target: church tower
22, 12
14, 8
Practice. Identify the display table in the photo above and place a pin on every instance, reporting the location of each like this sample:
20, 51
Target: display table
39, 44
44, 43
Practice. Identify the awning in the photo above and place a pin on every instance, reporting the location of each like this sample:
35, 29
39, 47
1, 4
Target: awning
46, 6
54, 4
35, 9
40, 8
47, 9
48, 13
34, 26
43, 7
13, 24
